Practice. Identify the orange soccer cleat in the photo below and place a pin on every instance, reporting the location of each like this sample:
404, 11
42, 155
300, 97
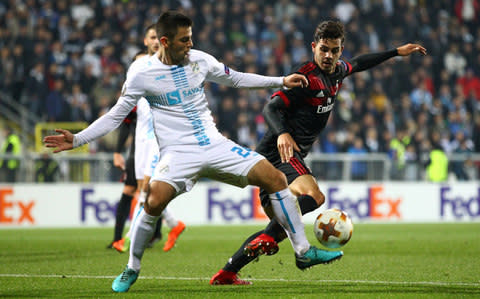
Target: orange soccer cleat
173, 236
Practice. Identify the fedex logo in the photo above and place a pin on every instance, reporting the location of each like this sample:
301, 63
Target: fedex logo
101, 208
459, 206
230, 209
374, 203
15, 211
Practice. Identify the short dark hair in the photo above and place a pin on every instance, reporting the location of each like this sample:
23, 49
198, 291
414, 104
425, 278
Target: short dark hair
141, 52
152, 26
169, 22
329, 30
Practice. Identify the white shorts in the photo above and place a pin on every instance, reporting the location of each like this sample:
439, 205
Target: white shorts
153, 157
142, 162
223, 161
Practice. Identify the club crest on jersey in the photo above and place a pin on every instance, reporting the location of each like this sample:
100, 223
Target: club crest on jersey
195, 67
227, 70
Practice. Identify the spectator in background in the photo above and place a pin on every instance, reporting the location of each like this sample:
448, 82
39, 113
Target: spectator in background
36, 91
470, 84
57, 106
398, 145
46, 169
11, 146
359, 167
454, 61
437, 164
463, 146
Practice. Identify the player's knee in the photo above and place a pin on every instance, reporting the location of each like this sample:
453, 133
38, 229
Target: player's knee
276, 180
318, 196
267, 177
129, 190
159, 195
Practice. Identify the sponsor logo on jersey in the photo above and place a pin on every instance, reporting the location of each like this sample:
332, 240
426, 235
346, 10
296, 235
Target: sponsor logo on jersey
166, 99
326, 108
195, 67
192, 91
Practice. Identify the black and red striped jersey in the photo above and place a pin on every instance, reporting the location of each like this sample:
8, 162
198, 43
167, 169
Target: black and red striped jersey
307, 109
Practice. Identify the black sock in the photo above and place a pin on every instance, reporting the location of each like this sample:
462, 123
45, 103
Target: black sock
121, 215
239, 259
307, 203
158, 229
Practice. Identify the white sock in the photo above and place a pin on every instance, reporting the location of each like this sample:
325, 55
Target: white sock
169, 218
136, 210
287, 213
142, 232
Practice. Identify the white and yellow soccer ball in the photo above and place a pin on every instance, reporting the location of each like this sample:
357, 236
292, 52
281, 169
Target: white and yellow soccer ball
333, 228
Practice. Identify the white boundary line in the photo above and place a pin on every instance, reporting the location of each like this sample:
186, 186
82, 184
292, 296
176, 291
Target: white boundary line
432, 283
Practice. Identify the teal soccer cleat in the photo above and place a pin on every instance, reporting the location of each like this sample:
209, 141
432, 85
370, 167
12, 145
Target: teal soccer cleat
124, 281
315, 256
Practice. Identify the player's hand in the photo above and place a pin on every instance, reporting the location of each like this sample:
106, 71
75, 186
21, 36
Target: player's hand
62, 142
295, 80
286, 145
119, 161
408, 49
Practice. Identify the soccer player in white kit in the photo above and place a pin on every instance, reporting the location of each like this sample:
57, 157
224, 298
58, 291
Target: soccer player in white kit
190, 145
146, 158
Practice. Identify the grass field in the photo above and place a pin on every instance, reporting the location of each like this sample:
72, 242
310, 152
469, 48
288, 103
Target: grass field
381, 261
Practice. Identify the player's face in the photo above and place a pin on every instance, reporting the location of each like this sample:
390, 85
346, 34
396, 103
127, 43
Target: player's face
180, 45
326, 53
151, 41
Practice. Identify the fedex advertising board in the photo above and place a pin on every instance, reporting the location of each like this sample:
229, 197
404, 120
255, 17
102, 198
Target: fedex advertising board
94, 205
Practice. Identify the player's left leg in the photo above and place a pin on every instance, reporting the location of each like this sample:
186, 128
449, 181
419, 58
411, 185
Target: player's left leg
161, 193
266, 239
176, 173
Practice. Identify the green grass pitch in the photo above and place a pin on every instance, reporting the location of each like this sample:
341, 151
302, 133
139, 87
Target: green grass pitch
381, 261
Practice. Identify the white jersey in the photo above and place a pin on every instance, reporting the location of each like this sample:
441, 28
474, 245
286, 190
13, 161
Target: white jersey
177, 99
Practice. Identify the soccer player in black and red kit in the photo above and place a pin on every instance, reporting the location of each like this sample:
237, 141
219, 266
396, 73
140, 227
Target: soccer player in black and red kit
295, 118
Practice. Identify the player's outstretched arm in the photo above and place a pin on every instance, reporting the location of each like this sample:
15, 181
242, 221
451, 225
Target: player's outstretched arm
295, 80
408, 49
62, 142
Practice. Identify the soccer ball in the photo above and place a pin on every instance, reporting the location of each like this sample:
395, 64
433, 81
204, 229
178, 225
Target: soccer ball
333, 228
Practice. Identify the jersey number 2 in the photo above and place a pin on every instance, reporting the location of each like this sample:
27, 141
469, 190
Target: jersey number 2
241, 151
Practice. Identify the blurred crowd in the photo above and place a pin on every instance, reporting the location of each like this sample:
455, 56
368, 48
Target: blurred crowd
66, 60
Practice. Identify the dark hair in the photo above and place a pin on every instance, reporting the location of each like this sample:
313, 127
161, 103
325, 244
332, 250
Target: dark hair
329, 30
148, 29
138, 54
169, 22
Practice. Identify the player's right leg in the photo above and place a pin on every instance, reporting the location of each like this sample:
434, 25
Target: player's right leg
285, 209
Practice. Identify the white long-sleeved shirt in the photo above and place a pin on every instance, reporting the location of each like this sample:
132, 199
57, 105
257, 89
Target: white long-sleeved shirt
177, 98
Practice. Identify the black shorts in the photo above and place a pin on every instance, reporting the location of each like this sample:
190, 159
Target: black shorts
292, 170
